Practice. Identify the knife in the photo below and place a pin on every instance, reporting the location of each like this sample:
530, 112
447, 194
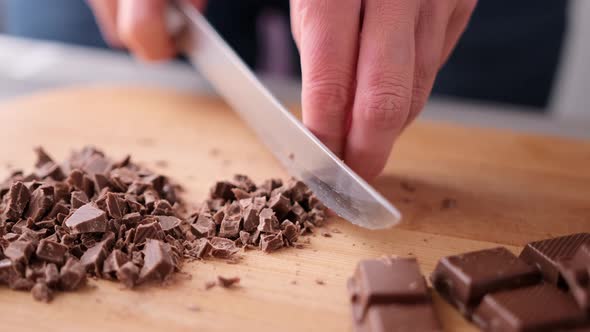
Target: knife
302, 154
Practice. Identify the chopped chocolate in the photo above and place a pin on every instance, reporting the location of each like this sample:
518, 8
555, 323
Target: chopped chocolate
204, 227
320, 282
116, 205
168, 223
87, 219
271, 242
8, 271
576, 276
51, 275
93, 258
280, 204
227, 282
41, 202
240, 193
129, 273
535, 308
326, 234
150, 230
222, 247
59, 208
223, 190
210, 284
19, 251
546, 253
158, 264
51, 251
290, 231
268, 221
113, 263
72, 275
230, 226
400, 317
78, 198
202, 248
41, 292
251, 219
244, 182
18, 198
465, 279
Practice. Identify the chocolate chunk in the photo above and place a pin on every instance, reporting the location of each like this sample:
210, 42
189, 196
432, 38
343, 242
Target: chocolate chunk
387, 280
41, 203
230, 226
271, 184
51, 275
202, 248
244, 238
271, 242
131, 219
296, 190
18, 198
244, 182
576, 276
19, 251
546, 253
280, 204
222, 247
251, 219
87, 219
223, 190
113, 263
297, 213
400, 317
390, 294
93, 258
41, 292
227, 282
536, 308
8, 271
128, 274
116, 205
59, 208
240, 193
204, 227
50, 170
162, 208
158, 263
149, 230
290, 231
259, 203
21, 284
168, 223
72, 275
465, 279
42, 157
268, 221
78, 198
51, 251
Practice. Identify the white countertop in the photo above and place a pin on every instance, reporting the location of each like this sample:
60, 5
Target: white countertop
27, 66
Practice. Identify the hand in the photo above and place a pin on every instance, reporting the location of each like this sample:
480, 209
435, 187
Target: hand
138, 25
368, 68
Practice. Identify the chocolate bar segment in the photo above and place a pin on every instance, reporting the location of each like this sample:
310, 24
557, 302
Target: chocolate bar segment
541, 307
390, 294
546, 253
463, 280
576, 276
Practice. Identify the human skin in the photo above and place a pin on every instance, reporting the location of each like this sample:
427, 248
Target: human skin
367, 66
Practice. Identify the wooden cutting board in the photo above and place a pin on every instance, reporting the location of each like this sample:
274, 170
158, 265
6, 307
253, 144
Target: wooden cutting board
509, 189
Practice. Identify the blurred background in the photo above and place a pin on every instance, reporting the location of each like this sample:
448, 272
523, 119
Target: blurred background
522, 65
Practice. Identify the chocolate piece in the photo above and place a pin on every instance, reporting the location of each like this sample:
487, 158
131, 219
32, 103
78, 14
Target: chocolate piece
223, 190
268, 221
19, 251
251, 219
222, 247
576, 275
94, 257
51, 275
72, 275
158, 263
400, 317
244, 182
390, 294
170, 224
204, 227
244, 238
59, 208
51, 251
128, 274
78, 198
8, 271
116, 205
465, 279
113, 263
40, 203
296, 190
271, 242
227, 282
240, 193
535, 308
18, 198
87, 219
297, 213
546, 253
280, 204
163, 208
149, 230
230, 226
202, 248
41, 292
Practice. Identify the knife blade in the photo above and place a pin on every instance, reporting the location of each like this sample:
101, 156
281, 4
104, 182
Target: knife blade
300, 152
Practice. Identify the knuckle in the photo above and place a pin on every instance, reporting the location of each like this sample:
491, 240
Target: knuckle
387, 103
329, 92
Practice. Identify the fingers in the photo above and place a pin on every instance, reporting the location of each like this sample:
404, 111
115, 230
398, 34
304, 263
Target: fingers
142, 27
457, 24
106, 17
328, 38
431, 27
385, 72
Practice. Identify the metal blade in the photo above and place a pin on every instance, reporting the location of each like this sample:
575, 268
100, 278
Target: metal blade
304, 156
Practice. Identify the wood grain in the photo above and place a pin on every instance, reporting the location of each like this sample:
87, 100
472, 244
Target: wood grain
509, 188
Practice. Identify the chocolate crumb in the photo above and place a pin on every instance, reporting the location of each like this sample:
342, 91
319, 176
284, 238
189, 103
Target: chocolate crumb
326, 234
194, 307
41, 292
210, 284
227, 282
448, 203
336, 231
320, 282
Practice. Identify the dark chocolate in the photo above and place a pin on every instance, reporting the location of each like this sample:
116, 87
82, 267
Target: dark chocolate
576, 276
87, 219
158, 264
51, 251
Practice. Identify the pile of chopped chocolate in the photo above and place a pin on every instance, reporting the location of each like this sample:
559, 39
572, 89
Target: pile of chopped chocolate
92, 216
